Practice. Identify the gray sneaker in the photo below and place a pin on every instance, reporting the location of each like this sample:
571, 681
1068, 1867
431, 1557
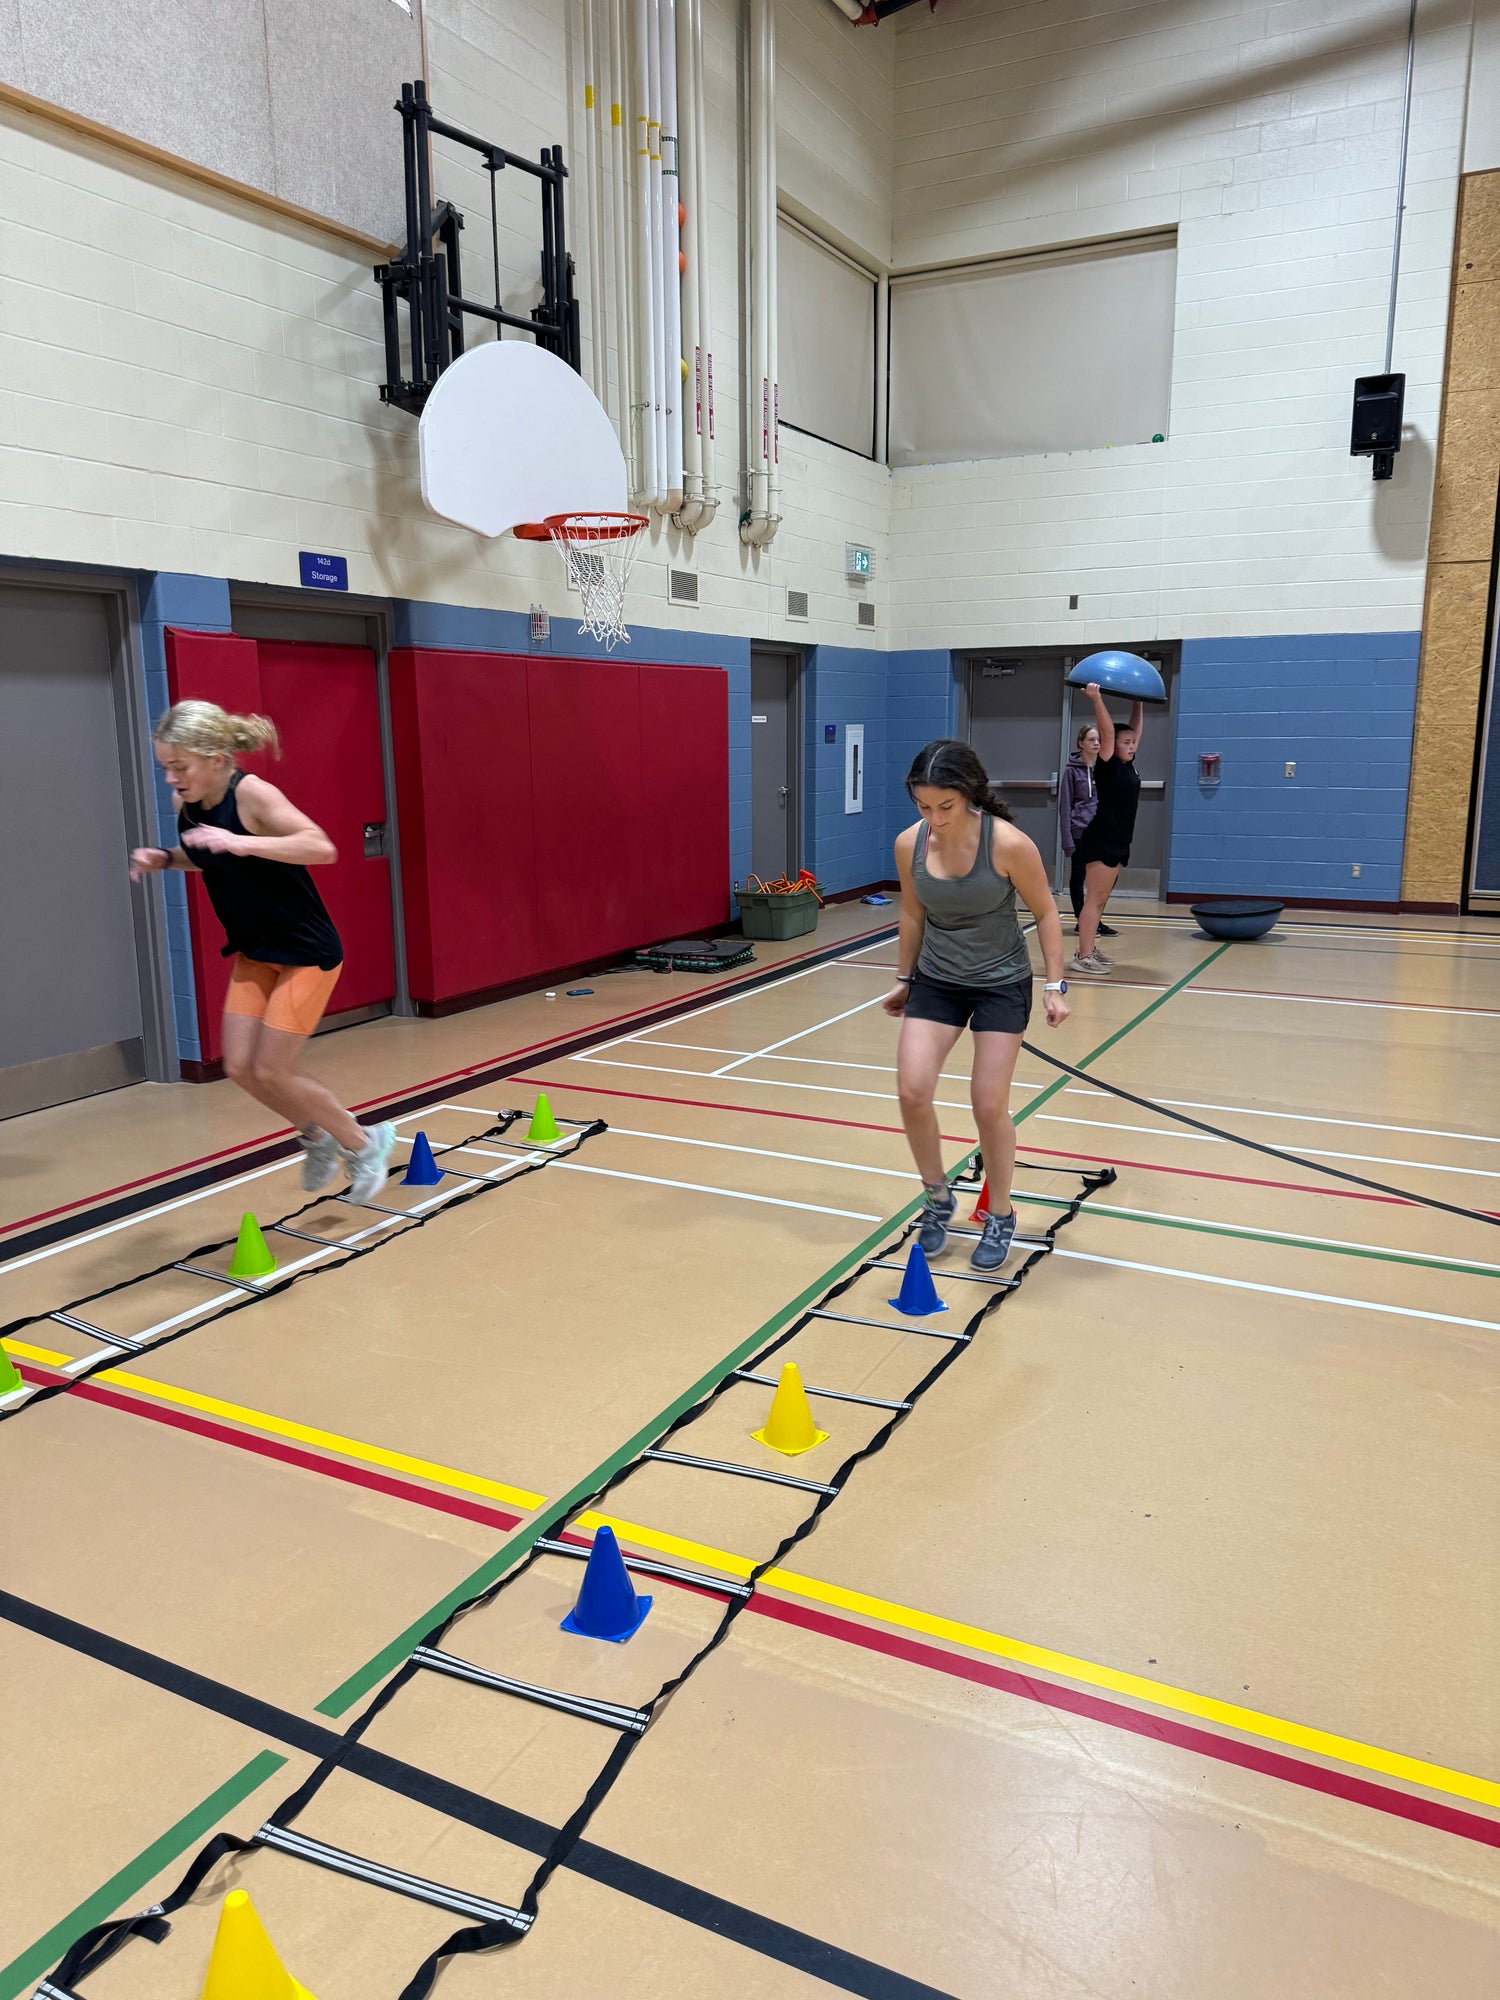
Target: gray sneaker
320, 1159
367, 1167
936, 1219
992, 1249
1092, 966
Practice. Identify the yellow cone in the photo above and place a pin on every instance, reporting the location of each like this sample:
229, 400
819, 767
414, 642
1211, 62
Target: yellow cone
251, 1258
543, 1128
244, 1965
790, 1428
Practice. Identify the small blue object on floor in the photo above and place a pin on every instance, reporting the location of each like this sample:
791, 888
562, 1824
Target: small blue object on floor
874, 899
918, 1293
607, 1606
1120, 673
1236, 917
422, 1170
577, 992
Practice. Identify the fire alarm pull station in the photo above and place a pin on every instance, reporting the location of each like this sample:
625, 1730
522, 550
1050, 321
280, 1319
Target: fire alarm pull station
1208, 767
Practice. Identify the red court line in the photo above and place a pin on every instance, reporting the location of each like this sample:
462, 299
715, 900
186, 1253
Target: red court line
966, 1139
431, 1083
1048, 1694
1139, 1722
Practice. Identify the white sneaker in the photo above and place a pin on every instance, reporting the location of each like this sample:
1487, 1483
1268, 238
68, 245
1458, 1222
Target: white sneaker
1087, 967
1102, 960
320, 1159
367, 1167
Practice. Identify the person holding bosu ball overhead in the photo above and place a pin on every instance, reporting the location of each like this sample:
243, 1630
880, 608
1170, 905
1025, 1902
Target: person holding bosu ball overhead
1104, 844
962, 962
253, 849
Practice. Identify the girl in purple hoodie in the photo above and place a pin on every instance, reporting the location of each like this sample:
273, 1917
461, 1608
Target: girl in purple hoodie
1077, 802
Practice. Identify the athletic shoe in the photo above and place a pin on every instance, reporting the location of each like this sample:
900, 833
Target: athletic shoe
1108, 930
1090, 965
320, 1159
1104, 963
992, 1249
936, 1219
367, 1167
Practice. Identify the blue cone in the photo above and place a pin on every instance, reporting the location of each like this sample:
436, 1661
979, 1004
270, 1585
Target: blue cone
1120, 673
918, 1292
422, 1170
607, 1606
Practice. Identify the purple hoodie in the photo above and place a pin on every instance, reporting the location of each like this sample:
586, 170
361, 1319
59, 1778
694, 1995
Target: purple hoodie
1077, 800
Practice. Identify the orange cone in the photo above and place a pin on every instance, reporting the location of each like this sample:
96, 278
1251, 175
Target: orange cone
984, 1204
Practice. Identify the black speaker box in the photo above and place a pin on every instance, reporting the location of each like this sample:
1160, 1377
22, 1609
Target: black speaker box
1378, 404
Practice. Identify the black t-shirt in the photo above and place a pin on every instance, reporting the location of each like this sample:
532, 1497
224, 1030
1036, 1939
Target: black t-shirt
269, 909
1119, 788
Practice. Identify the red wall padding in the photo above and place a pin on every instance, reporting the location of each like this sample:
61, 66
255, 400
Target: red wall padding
554, 811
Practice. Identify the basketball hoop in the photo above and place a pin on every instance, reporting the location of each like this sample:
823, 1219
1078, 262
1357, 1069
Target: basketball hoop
598, 551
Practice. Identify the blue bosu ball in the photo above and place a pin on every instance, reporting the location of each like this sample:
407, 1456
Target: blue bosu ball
1235, 917
1120, 673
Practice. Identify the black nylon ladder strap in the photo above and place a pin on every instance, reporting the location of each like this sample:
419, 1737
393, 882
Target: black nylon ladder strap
339, 1862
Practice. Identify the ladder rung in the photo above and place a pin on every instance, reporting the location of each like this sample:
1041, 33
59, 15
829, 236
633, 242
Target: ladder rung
963, 1277
744, 1471
834, 1395
612, 1713
647, 1566
306, 1236
219, 1278
98, 1333
886, 1325
321, 1855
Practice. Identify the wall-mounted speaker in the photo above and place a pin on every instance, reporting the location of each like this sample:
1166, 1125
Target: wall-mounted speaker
1379, 402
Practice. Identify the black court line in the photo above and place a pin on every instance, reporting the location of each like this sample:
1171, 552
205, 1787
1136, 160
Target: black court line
123, 1206
800, 1951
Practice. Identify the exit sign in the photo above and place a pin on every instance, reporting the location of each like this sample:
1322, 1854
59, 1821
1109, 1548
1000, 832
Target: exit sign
858, 562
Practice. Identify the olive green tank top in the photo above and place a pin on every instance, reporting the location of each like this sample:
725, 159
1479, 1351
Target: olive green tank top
973, 936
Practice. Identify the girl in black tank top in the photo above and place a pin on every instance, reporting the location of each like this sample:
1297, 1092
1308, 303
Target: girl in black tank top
253, 849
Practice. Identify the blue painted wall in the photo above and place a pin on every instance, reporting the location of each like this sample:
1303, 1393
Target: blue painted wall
844, 684
923, 703
1338, 705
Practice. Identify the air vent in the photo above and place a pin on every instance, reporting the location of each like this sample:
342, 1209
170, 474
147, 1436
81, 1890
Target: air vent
682, 586
867, 615
796, 604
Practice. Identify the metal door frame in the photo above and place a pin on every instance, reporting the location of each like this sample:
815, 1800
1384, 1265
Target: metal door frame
127, 673
256, 611
797, 751
1163, 653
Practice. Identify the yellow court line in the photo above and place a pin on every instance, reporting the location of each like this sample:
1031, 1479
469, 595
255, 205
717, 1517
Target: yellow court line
1088, 1673
260, 1420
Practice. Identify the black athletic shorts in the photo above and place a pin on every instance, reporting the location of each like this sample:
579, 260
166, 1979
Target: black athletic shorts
988, 1010
1113, 853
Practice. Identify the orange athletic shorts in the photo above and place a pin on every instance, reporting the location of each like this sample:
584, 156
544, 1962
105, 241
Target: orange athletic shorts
288, 997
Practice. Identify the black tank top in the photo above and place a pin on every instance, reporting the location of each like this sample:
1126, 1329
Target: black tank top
269, 909
1119, 788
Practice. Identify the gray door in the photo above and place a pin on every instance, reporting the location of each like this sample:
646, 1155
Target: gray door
1015, 705
71, 1000
774, 845
1146, 874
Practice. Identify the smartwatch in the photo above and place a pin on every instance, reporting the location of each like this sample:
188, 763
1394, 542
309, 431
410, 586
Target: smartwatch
1054, 985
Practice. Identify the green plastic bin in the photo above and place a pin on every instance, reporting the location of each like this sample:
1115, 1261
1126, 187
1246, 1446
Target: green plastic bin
763, 915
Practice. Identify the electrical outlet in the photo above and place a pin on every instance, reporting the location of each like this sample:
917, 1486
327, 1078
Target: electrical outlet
1291, 770
1354, 867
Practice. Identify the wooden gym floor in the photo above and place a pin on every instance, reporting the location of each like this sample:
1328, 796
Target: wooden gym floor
1155, 1653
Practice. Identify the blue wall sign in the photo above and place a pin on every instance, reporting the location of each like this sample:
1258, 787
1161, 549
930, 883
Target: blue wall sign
323, 572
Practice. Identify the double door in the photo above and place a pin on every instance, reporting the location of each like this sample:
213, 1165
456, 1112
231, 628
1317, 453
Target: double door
1023, 720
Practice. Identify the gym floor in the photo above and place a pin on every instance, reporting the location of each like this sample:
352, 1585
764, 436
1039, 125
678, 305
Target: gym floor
1154, 1653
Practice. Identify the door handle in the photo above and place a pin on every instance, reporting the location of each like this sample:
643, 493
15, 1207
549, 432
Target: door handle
782, 792
374, 840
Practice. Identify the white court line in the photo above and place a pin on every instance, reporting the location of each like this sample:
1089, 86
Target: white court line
801, 1035
1280, 1291
1103, 1125
730, 1000
761, 1082
730, 1194
765, 1153
1199, 1222
1296, 1117
1294, 929
816, 1062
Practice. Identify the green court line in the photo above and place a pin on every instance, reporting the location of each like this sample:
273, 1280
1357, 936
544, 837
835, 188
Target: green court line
1241, 1232
116, 1891
38, 1959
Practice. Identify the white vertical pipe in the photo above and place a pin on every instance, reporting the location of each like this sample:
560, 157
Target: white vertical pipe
689, 513
709, 504
671, 197
645, 344
594, 232
757, 381
882, 367
773, 468
658, 411
621, 162
599, 192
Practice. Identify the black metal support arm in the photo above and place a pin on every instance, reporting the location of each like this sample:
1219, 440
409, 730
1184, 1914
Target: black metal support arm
427, 279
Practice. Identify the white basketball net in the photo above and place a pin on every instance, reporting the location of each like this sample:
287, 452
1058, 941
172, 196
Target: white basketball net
598, 552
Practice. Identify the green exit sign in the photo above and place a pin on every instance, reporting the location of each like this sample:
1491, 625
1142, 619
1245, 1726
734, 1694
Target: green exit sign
858, 562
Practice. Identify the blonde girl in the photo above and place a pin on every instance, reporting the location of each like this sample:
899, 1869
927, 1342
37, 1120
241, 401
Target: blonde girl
253, 849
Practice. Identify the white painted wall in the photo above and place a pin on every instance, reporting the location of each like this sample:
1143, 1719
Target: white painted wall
190, 383
1269, 138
